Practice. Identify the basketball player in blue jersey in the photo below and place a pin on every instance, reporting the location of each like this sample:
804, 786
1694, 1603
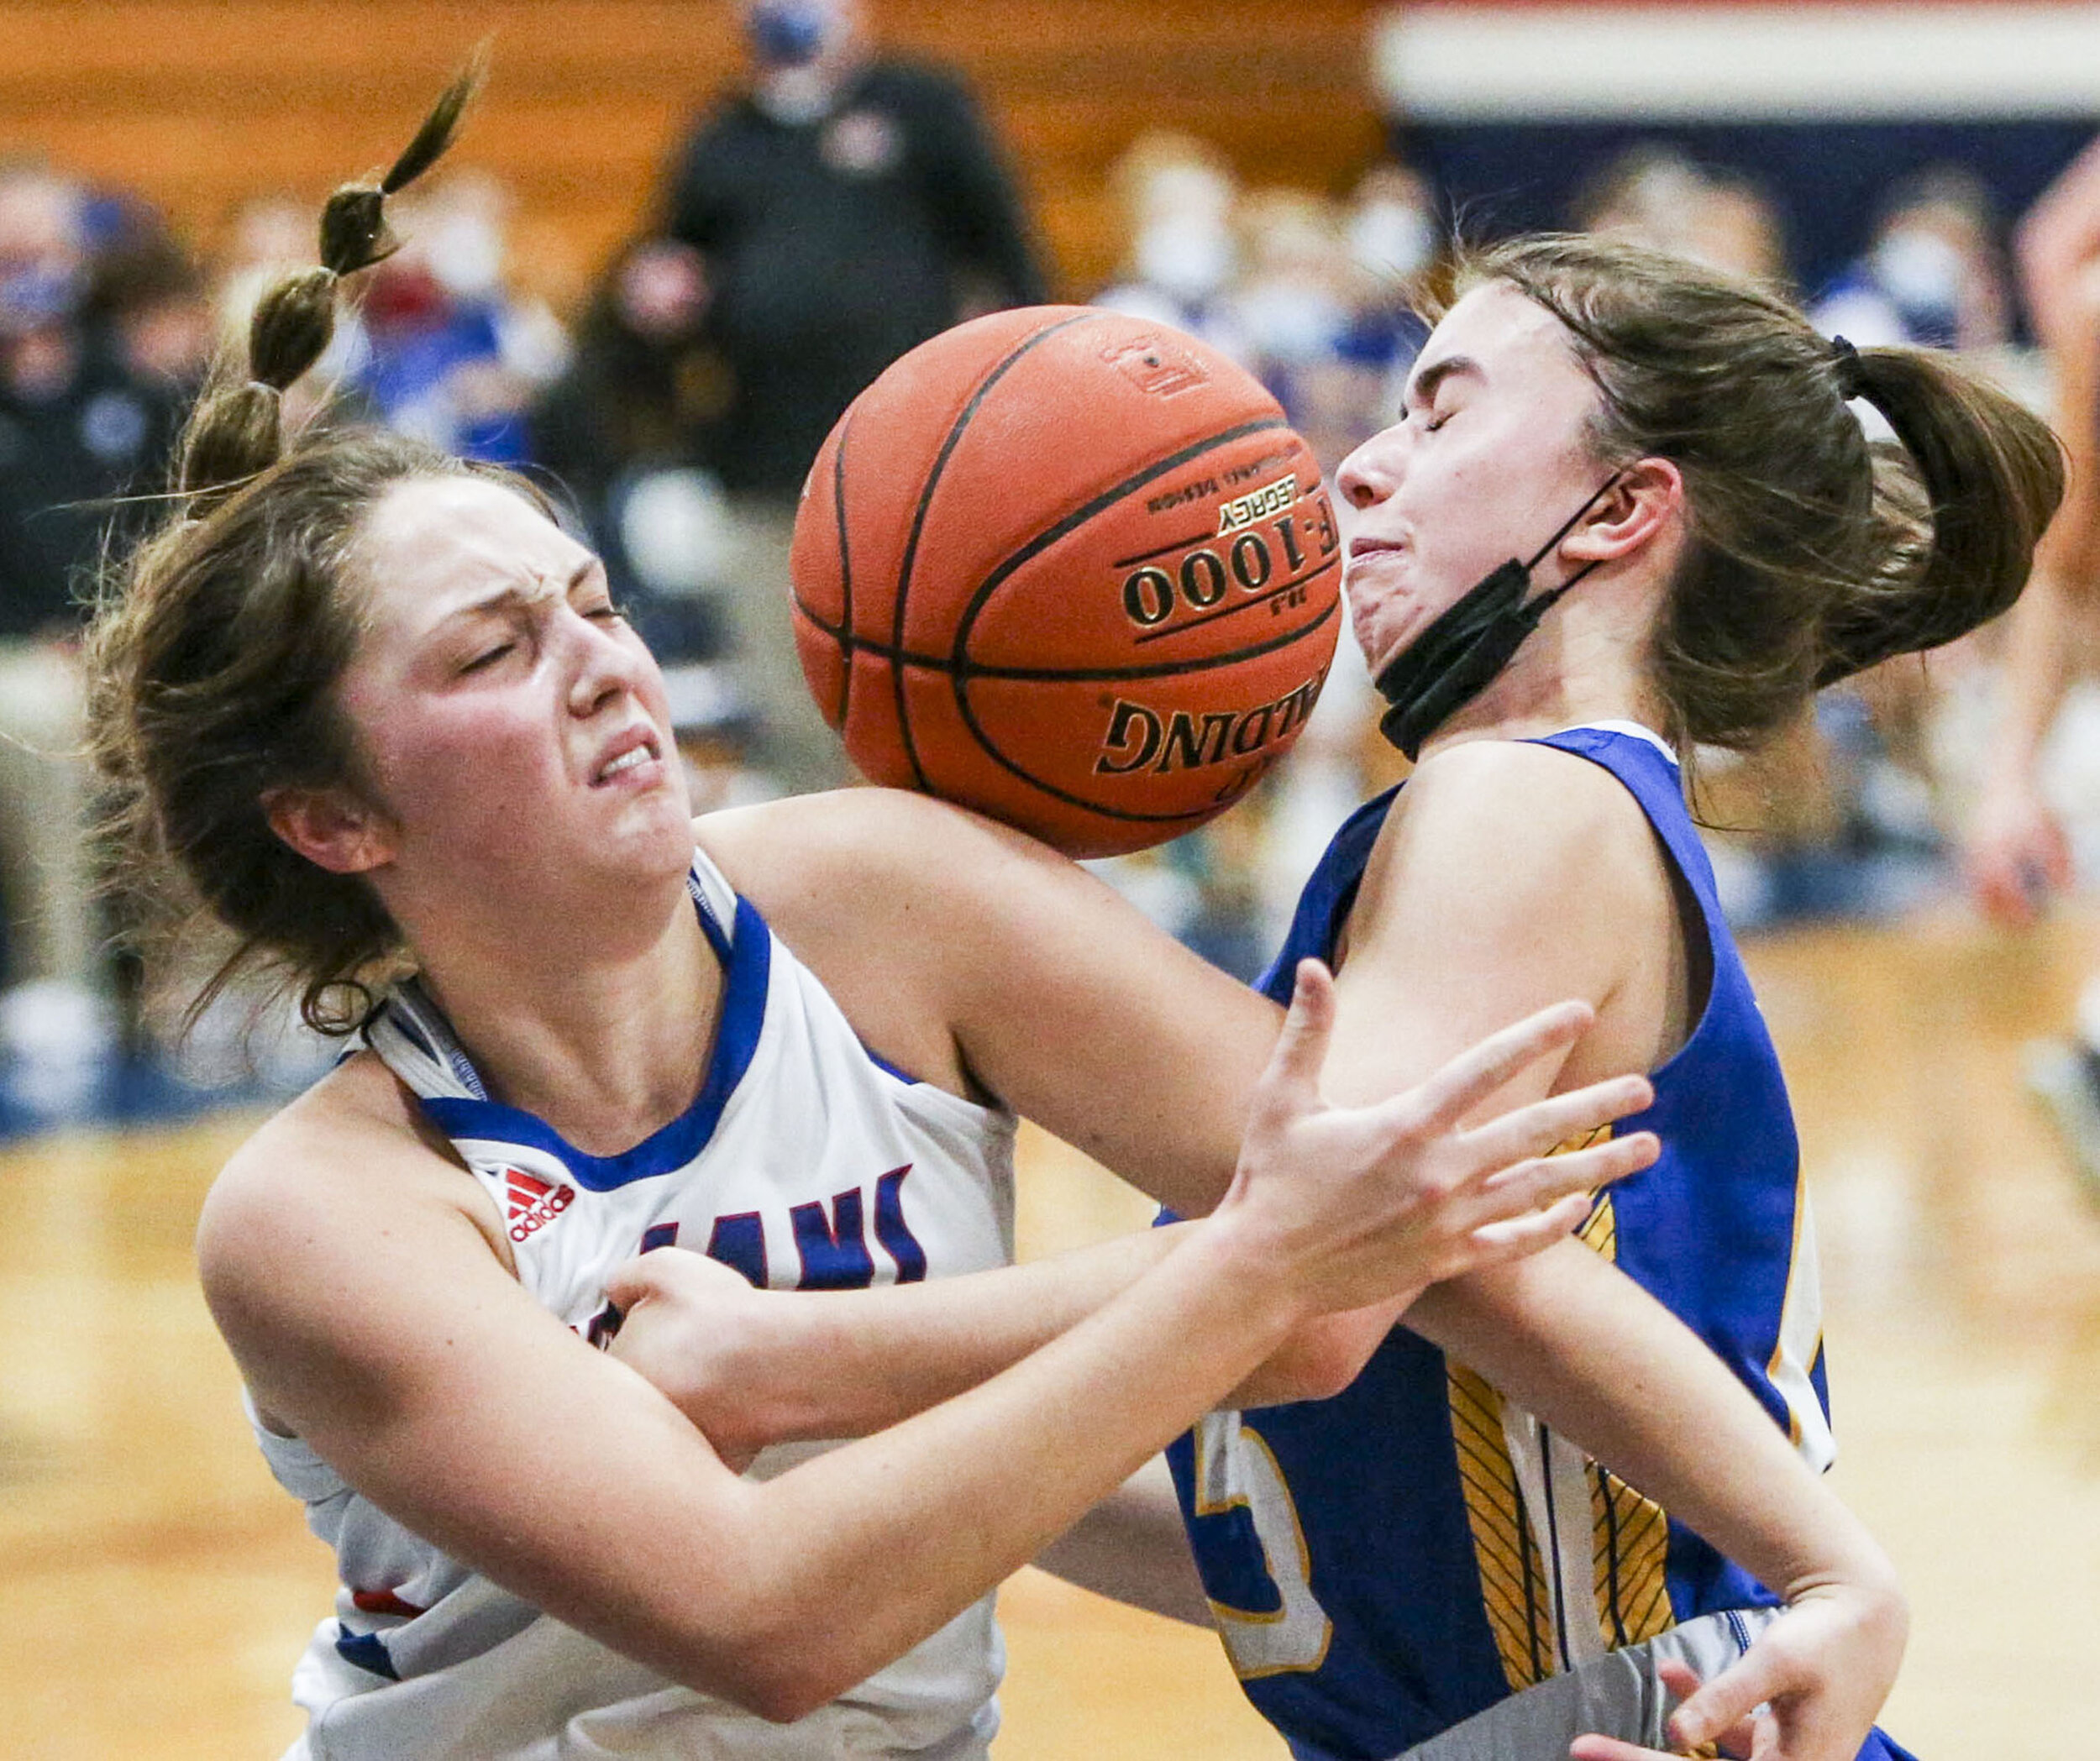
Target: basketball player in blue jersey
1710, 538
369, 711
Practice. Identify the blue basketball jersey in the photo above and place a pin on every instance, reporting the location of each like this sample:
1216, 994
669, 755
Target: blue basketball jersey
1388, 1562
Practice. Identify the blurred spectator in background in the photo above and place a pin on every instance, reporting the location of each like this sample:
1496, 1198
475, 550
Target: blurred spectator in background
148, 296
1367, 280
1290, 309
634, 429
1396, 243
1181, 255
452, 356
89, 389
1933, 273
846, 206
1319, 299
1652, 194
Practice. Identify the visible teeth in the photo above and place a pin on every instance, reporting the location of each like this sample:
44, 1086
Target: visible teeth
626, 761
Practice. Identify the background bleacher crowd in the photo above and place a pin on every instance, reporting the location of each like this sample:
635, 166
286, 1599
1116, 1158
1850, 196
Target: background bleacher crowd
569, 301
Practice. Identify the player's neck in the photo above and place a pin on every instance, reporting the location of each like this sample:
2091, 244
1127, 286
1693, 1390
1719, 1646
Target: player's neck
606, 1046
1567, 675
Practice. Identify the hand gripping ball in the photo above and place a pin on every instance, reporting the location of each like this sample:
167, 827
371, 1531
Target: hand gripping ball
1071, 569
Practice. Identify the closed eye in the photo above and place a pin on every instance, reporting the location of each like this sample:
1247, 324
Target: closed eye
488, 658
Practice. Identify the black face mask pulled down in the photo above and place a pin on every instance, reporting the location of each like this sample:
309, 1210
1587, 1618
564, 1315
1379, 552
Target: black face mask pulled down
1456, 658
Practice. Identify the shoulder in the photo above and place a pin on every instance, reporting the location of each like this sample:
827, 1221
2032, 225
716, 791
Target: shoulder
322, 1186
1518, 799
811, 860
1492, 833
892, 899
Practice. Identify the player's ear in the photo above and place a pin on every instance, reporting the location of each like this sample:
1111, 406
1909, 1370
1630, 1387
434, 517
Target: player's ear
330, 827
1645, 498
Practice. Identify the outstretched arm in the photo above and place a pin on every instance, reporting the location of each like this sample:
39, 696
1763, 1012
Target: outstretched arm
2014, 850
2057, 249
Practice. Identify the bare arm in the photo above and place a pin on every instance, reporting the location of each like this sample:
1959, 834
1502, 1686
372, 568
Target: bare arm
2015, 850
977, 958
753, 1367
1131, 1547
1543, 1332
2057, 250
1468, 916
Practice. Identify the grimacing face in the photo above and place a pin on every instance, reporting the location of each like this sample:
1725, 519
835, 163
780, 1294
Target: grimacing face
1490, 454
507, 717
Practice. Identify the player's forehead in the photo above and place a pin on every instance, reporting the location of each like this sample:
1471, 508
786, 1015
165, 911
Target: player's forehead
1497, 336
431, 544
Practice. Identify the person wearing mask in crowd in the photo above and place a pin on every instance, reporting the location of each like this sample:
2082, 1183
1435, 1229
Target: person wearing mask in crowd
1181, 254
1653, 194
450, 354
633, 430
149, 295
79, 425
847, 205
1934, 273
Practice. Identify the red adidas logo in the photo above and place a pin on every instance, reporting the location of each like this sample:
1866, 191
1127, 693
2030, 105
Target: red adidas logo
533, 1203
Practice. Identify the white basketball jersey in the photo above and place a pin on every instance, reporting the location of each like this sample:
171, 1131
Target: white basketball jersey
805, 1164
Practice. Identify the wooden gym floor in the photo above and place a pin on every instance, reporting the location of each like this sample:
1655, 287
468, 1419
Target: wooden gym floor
154, 1586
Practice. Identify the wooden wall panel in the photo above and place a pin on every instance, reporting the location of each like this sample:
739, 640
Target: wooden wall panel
200, 103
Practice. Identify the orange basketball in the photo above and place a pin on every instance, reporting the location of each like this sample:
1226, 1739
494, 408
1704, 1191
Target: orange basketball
1071, 569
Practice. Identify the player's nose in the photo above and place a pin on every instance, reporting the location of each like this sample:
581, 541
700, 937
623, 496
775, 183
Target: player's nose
1368, 476
602, 666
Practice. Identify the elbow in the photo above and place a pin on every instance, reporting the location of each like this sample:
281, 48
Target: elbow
790, 1681
779, 1690
774, 1663
1329, 1366
1318, 1362
785, 1699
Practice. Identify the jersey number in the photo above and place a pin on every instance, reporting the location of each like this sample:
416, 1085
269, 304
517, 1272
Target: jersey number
1236, 1470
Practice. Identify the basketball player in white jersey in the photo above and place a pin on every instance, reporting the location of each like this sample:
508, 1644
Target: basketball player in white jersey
370, 709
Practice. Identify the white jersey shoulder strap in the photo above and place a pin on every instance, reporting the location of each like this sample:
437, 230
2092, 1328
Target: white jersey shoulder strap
410, 1032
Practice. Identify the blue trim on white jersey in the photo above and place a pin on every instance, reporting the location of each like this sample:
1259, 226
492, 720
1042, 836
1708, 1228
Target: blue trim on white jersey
748, 962
717, 938
883, 1064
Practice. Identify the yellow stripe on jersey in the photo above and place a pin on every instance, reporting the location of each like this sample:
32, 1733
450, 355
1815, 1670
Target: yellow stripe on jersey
1514, 1592
1631, 1543
1630, 1533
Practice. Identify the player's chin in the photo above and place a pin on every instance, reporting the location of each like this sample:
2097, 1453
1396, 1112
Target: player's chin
1382, 631
648, 831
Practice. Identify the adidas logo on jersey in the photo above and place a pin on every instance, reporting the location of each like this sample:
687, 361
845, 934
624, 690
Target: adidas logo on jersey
533, 1204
